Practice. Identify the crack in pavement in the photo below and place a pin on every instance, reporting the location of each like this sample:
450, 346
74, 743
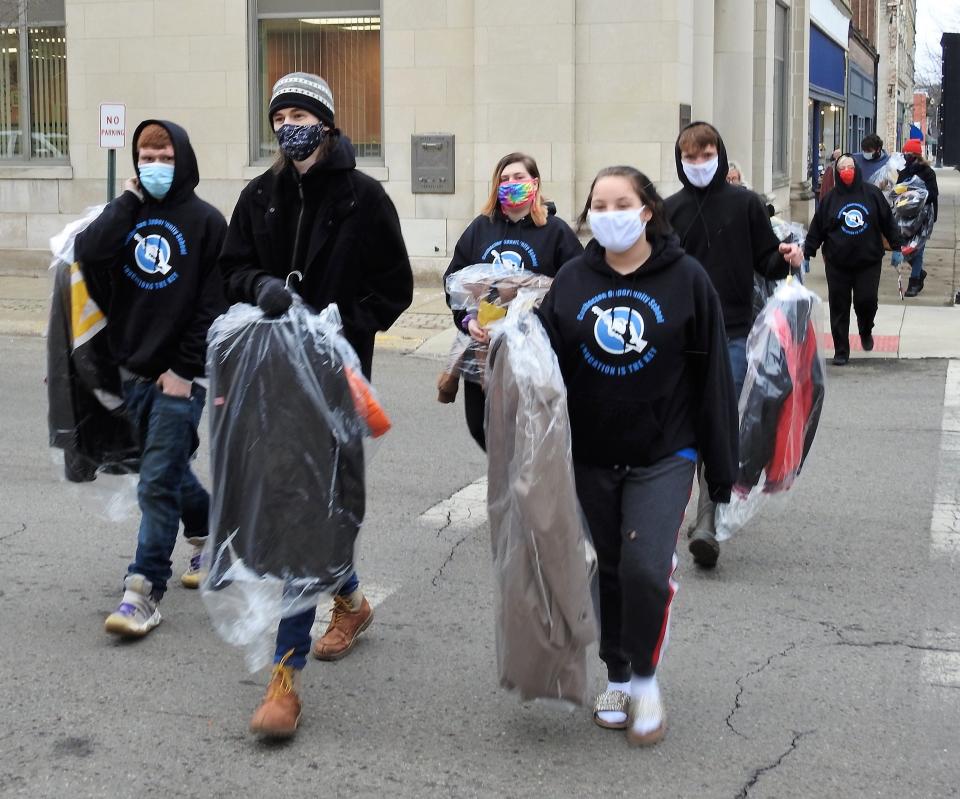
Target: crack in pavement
905, 644
447, 523
453, 549
758, 773
737, 704
23, 527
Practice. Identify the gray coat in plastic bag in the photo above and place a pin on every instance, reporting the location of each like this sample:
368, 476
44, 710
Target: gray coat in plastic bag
545, 618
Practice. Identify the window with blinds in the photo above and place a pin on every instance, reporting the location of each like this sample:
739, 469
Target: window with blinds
336, 39
33, 81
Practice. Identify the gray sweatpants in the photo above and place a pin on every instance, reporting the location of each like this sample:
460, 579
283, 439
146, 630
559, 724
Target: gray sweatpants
634, 515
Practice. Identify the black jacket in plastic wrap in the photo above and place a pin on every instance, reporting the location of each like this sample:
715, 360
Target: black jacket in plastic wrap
286, 449
92, 432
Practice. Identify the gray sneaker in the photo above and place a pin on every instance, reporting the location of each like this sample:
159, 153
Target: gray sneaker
705, 548
137, 613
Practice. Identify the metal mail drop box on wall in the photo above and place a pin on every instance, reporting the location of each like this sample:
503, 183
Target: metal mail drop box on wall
432, 157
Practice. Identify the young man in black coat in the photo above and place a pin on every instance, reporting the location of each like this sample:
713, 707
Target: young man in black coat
152, 253
727, 229
315, 214
851, 224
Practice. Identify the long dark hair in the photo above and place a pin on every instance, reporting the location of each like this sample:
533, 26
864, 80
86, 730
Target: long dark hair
659, 224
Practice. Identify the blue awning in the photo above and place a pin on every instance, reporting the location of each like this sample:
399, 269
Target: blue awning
828, 65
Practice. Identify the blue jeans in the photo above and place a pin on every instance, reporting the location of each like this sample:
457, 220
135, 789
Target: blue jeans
168, 491
294, 631
916, 262
737, 347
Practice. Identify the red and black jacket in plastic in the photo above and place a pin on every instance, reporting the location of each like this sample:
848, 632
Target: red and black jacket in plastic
785, 389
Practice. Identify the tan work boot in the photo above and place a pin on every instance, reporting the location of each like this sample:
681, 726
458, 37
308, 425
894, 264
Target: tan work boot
279, 714
344, 628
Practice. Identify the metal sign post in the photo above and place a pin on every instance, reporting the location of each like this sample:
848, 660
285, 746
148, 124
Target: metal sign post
113, 134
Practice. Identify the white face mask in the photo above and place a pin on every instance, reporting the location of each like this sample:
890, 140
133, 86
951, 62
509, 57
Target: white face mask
617, 231
700, 175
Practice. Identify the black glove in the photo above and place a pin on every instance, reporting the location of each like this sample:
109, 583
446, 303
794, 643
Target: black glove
272, 296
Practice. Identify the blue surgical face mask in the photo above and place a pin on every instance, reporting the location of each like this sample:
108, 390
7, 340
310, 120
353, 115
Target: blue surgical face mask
156, 179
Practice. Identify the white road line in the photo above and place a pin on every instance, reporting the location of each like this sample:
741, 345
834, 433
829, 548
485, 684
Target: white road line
467, 508
945, 520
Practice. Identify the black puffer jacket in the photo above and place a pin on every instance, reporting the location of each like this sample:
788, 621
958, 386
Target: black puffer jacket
335, 225
727, 229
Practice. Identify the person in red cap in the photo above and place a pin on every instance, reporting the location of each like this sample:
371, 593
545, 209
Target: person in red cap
919, 166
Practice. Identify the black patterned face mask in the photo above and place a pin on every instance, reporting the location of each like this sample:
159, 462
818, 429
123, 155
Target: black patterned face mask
299, 141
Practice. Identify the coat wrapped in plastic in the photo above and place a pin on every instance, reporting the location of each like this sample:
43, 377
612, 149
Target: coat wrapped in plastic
288, 413
85, 399
541, 555
485, 290
886, 176
780, 404
912, 212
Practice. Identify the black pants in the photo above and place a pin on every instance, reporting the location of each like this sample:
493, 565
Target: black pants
634, 515
474, 402
864, 285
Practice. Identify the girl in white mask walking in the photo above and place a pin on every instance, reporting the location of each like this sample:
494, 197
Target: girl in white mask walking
638, 332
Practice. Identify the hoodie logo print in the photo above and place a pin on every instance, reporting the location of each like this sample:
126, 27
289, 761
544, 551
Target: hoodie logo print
853, 219
615, 345
619, 330
156, 244
152, 253
499, 254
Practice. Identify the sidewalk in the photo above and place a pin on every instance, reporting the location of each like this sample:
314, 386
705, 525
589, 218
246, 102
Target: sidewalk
927, 326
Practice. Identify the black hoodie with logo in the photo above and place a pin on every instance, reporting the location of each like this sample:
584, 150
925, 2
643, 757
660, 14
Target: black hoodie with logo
338, 228
644, 357
542, 249
152, 266
850, 224
727, 229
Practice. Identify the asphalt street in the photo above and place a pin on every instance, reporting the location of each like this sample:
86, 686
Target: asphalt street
819, 659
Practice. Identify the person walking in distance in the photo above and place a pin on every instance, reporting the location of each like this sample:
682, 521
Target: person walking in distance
850, 225
919, 166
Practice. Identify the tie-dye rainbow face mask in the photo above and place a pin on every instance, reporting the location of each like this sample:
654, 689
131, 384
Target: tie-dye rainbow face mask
515, 194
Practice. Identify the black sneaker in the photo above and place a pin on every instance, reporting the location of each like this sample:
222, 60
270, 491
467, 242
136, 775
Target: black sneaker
705, 549
841, 359
866, 341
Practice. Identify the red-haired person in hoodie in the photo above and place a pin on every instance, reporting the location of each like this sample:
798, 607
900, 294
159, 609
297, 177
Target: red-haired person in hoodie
850, 225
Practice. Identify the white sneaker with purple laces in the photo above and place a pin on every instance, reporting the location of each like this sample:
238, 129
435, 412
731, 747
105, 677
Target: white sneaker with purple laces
137, 613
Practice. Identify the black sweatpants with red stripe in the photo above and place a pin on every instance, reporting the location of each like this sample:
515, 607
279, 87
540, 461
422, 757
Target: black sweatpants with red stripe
634, 516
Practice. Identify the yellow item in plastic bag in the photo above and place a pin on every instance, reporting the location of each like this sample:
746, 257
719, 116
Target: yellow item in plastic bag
900, 188
488, 312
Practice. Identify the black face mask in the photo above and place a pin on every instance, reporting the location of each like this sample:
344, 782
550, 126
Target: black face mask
299, 141
910, 158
